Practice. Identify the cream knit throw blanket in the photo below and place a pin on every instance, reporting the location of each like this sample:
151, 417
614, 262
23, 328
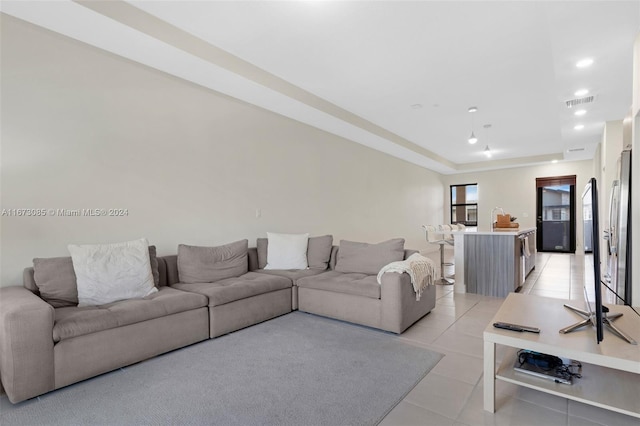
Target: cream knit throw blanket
421, 270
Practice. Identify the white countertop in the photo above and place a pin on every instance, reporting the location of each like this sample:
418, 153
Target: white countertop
499, 231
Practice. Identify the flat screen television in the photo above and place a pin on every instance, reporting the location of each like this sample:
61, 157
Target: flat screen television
590, 201
596, 314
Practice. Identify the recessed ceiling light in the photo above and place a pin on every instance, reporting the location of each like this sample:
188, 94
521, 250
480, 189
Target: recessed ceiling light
581, 92
578, 127
554, 161
473, 109
584, 63
580, 112
416, 106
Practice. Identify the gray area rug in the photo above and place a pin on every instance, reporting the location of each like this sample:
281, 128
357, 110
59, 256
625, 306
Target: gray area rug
298, 369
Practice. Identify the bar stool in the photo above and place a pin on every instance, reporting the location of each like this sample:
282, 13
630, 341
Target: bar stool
433, 238
446, 232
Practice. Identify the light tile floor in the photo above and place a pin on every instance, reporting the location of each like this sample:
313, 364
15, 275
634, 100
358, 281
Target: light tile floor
451, 394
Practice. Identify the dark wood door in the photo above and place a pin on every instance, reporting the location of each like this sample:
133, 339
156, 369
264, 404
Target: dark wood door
556, 214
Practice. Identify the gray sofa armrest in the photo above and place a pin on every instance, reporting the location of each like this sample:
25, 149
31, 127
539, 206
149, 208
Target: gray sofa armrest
400, 309
26, 344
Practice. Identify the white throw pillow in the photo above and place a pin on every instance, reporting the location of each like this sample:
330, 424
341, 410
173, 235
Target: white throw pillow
109, 272
287, 251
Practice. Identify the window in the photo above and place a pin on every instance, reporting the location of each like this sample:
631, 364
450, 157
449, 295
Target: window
464, 204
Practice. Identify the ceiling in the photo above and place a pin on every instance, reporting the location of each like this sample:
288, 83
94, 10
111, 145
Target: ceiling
396, 76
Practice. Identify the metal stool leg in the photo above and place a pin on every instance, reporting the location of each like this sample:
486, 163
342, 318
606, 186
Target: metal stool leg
444, 280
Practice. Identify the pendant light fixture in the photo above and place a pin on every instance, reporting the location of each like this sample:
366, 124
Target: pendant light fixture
472, 139
487, 151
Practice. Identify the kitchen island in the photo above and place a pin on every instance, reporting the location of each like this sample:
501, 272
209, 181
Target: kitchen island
493, 262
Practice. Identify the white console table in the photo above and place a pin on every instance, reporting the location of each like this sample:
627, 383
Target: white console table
610, 370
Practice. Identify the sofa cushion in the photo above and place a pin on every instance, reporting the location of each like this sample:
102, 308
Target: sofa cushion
287, 251
107, 273
211, 264
262, 245
77, 321
237, 288
293, 274
363, 258
318, 252
338, 282
56, 279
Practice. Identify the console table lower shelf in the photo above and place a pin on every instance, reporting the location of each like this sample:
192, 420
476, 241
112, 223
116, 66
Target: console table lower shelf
602, 387
610, 370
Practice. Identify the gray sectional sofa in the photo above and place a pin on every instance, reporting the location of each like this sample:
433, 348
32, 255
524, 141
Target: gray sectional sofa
48, 342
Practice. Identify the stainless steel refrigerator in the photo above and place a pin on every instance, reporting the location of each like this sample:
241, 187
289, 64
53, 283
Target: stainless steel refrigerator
619, 232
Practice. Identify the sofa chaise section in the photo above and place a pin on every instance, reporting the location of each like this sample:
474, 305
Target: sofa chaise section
352, 297
357, 296
343, 285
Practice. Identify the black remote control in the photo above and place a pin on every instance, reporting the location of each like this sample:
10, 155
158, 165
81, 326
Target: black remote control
516, 327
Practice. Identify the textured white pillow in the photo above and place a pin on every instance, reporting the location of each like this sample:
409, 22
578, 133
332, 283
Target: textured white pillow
287, 251
109, 272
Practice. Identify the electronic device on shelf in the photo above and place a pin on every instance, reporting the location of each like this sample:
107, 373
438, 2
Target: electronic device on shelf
550, 367
599, 316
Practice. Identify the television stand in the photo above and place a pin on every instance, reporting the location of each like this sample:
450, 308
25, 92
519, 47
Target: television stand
590, 318
610, 370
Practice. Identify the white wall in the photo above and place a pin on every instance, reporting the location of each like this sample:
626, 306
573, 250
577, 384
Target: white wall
515, 191
83, 129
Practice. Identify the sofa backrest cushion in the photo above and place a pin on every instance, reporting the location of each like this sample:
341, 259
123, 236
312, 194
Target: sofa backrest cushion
252, 255
364, 258
56, 279
334, 258
262, 245
172, 269
318, 252
209, 264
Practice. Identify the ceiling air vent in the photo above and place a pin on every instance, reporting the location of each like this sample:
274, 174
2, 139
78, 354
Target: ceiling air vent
579, 101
